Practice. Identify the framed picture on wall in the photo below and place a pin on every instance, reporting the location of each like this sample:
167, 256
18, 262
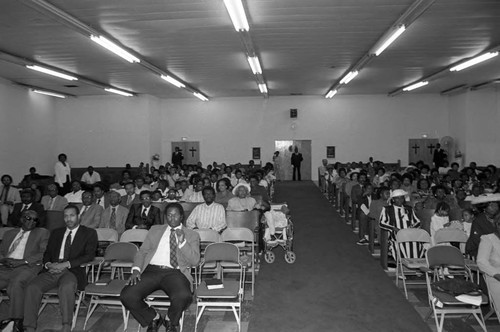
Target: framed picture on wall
256, 153
330, 152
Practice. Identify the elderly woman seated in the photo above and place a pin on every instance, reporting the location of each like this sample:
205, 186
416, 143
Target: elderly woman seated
242, 200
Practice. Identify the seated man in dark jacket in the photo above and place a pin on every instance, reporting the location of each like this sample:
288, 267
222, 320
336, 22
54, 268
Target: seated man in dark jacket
143, 215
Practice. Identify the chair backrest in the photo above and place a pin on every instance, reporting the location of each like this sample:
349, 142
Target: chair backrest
413, 235
444, 256
425, 215
246, 219
450, 235
188, 206
107, 234
208, 235
237, 234
123, 251
134, 235
222, 251
54, 220
3, 230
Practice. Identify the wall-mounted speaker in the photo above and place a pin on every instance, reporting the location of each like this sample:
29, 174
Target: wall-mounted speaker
293, 113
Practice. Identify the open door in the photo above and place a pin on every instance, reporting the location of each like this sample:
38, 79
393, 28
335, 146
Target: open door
286, 148
190, 151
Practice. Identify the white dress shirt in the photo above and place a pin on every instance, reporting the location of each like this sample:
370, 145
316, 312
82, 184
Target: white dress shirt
19, 252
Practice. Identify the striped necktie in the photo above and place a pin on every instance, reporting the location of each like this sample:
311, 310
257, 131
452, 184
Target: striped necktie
173, 249
15, 244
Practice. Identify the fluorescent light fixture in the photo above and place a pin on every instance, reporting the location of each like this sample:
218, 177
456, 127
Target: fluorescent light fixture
200, 96
237, 14
331, 93
173, 81
392, 37
52, 72
474, 61
48, 93
263, 88
254, 64
416, 86
119, 92
106, 43
347, 78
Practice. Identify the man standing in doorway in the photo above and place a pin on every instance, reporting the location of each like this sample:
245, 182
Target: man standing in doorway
439, 156
177, 157
296, 161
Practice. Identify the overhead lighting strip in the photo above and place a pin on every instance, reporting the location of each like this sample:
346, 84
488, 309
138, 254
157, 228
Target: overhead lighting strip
237, 14
173, 81
263, 88
474, 61
349, 77
254, 65
416, 86
331, 93
110, 46
200, 96
119, 92
52, 72
48, 93
386, 41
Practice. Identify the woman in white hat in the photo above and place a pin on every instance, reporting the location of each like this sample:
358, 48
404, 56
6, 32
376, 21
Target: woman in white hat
242, 200
398, 216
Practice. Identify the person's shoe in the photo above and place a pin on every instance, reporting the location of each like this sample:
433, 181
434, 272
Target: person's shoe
154, 326
363, 242
169, 327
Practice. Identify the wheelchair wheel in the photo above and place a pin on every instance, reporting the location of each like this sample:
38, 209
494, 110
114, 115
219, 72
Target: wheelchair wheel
269, 257
290, 257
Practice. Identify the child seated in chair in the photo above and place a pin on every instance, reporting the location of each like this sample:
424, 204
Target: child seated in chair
276, 218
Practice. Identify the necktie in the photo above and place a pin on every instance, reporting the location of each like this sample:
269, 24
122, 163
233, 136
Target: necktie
112, 219
84, 210
144, 214
25, 207
129, 200
173, 249
99, 201
15, 244
51, 203
67, 246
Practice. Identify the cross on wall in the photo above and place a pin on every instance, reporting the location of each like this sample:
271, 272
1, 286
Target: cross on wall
431, 148
193, 150
415, 148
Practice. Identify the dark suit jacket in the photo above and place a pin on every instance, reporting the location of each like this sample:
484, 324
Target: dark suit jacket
296, 159
134, 217
83, 249
15, 216
35, 245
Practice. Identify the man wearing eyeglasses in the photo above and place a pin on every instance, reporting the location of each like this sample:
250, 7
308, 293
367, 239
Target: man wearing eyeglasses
144, 215
21, 253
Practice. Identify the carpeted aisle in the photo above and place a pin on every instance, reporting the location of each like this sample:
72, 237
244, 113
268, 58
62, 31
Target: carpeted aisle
334, 285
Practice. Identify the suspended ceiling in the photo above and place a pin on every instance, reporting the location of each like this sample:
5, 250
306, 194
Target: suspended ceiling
304, 46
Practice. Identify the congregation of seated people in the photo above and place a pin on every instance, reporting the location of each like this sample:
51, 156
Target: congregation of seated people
34, 259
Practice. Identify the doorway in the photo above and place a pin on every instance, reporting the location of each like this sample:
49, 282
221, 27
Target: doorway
286, 148
190, 151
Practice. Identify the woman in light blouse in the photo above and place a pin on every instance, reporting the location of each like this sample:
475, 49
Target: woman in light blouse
223, 194
62, 174
488, 261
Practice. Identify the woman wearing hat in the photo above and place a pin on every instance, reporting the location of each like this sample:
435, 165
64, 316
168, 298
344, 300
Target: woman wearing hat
484, 222
398, 216
242, 200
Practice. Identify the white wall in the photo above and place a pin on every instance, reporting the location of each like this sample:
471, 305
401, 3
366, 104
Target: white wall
474, 118
359, 126
28, 131
108, 130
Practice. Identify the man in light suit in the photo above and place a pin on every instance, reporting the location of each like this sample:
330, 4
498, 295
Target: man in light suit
69, 247
90, 214
21, 253
143, 215
156, 267
53, 201
118, 221
8, 197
